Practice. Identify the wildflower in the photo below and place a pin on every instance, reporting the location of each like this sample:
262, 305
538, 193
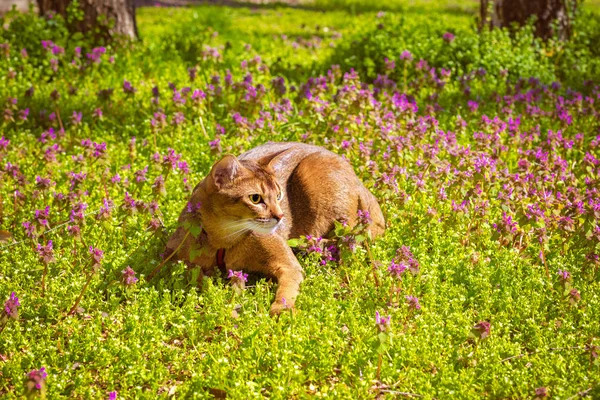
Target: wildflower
237, 276
11, 306
158, 187
46, 253
413, 302
564, 275
112, 395
383, 323
140, 176
97, 113
128, 88
97, 256
23, 114
4, 143
42, 216
129, 204
99, 150
406, 55
171, 160
77, 212
74, 231
105, 210
191, 207
364, 218
541, 393
154, 224
397, 268
76, 118
215, 145
482, 329
574, 296
448, 37
178, 118
128, 276
36, 380
473, 106
192, 73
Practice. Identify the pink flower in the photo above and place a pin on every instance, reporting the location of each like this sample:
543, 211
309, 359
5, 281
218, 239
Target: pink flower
383, 323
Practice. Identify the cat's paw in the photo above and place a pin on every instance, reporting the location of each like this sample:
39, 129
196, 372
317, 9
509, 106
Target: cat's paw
280, 306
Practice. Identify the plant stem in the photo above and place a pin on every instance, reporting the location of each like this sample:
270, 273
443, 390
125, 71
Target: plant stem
372, 263
44, 279
87, 283
157, 269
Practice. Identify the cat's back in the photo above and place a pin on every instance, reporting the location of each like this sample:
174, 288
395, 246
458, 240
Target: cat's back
287, 155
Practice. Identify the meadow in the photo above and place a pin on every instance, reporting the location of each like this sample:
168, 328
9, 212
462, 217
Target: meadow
483, 148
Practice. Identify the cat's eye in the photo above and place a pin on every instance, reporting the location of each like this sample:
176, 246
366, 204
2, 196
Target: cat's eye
255, 198
280, 196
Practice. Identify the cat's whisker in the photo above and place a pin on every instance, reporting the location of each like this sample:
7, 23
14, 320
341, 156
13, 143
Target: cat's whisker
244, 225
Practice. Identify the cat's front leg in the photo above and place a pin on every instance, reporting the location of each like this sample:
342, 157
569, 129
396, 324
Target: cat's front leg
289, 278
272, 256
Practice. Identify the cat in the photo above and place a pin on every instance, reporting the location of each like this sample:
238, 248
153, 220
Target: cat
249, 206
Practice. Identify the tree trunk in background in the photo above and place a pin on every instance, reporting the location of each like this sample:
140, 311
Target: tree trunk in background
106, 18
502, 13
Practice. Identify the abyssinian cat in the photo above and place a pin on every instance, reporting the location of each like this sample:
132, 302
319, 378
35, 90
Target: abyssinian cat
249, 206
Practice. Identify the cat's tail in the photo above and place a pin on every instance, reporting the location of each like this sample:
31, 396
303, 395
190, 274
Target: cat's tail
368, 202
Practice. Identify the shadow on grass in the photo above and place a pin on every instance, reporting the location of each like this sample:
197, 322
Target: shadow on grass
351, 8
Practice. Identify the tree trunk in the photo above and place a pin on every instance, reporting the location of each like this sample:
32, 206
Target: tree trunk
553, 17
105, 18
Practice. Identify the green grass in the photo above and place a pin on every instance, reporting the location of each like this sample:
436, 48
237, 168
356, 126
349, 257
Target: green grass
171, 337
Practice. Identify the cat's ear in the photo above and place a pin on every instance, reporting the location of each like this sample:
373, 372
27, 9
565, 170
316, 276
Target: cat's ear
225, 170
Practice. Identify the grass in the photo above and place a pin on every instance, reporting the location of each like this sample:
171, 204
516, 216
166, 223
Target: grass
469, 181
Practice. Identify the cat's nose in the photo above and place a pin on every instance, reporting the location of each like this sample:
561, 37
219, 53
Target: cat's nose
278, 217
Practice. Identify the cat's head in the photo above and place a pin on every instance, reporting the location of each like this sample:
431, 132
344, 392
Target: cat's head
243, 196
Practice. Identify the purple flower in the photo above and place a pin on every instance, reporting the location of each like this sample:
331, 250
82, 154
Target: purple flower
42, 216
448, 37
74, 231
482, 329
140, 176
23, 114
11, 306
4, 143
473, 106
171, 160
128, 88
403, 260
364, 218
77, 212
541, 392
106, 209
192, 73
76, 118
37, 377
397, 268
178, 118
112, 395
413, 302
97, 256
215, 145
564, 275
237, 276
128, 276
574, 296
46, 253
158, 187
406, 55
99, 150
383, 323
